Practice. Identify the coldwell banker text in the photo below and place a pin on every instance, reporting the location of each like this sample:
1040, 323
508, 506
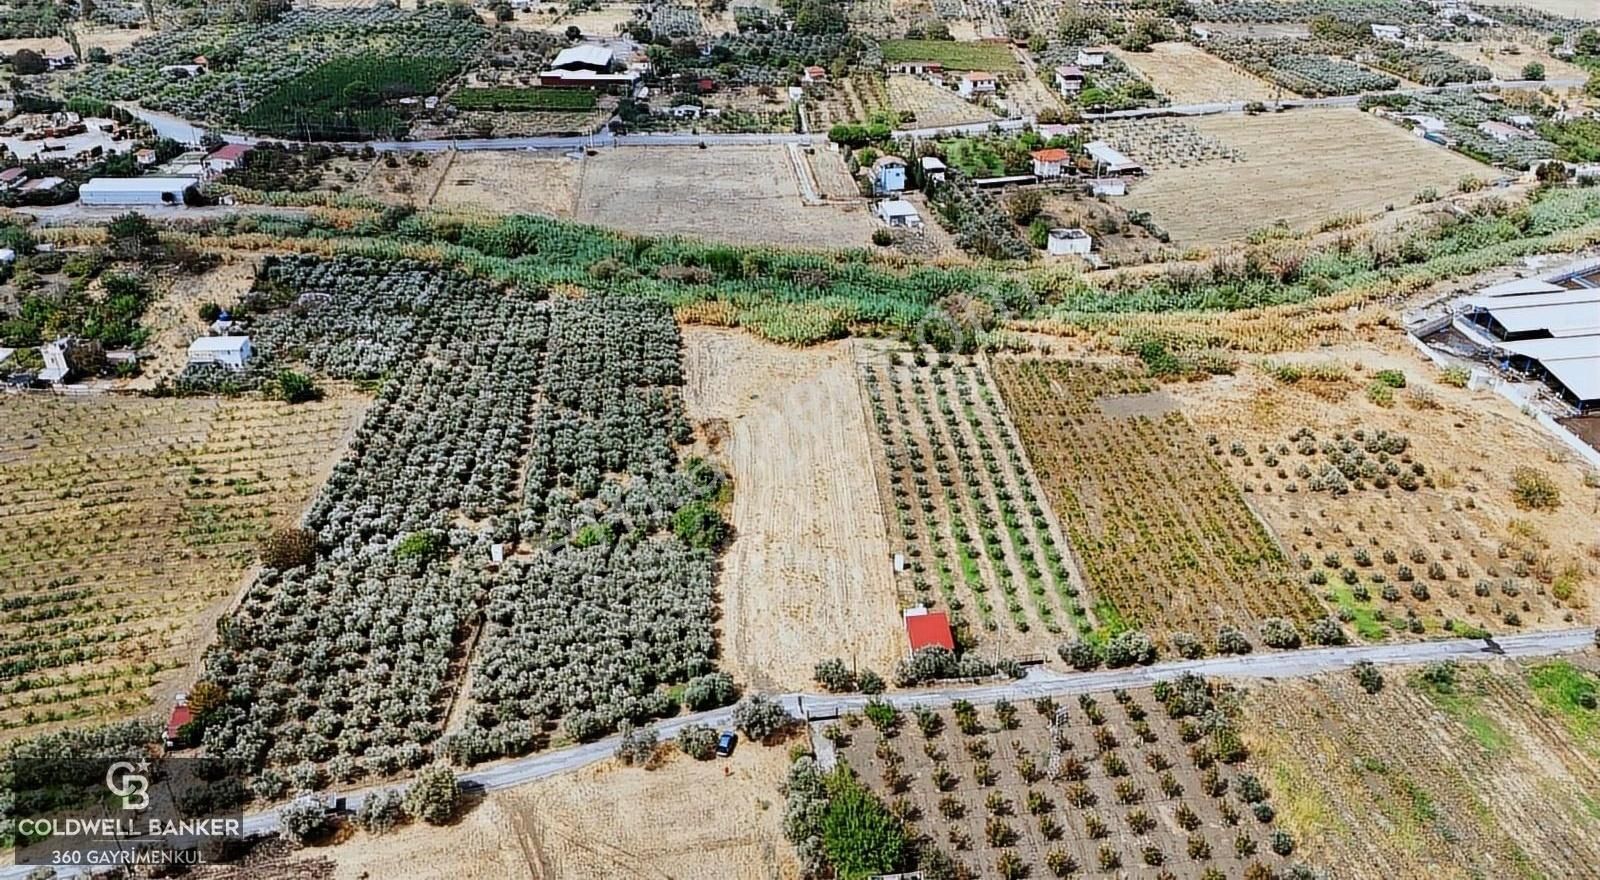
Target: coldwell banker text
121, 829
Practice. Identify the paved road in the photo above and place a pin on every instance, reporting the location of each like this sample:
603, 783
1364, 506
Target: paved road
1040, 682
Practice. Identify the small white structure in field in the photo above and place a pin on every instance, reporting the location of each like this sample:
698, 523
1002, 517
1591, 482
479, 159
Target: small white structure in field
977, 83
1501, 131
1391, 33
226, 351
1108, 186
898, 213
1069, 242
1522, 121
1090, 58
7, 255
1110, 160
56, 367
933, 168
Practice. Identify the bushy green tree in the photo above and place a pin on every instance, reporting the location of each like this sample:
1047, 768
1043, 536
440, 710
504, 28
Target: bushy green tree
434, 797
709, 691
861, 837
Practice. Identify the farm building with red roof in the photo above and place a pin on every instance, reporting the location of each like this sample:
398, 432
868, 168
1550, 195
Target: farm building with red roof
928, 629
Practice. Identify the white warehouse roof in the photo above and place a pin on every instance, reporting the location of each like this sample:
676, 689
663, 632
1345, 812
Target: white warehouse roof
1520, 286
219, 344
1580, 375
136, 185
1109, 156
1558, 349
589, 53
1566, 319
1560, 297
897, 208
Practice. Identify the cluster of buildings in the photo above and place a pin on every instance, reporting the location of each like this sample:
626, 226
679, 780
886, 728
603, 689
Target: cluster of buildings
592, 66
172, 186
1545, 328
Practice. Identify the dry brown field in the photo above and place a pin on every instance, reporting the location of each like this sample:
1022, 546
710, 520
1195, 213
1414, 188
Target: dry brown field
933, 105
129, 523
1188, 74
1129, 244
111, 39
1297, 167
1493, 777
965, 509
1508, 65
736, 194
510, 183
408, 182
1164, 539
1461, 537
1109, 785
808, 575
1579, 9
683, 819
174, 318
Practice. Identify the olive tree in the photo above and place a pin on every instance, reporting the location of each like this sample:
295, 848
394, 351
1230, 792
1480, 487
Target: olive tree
434, 797
382, 811
709, 691
302, 819
637, 745
761, 719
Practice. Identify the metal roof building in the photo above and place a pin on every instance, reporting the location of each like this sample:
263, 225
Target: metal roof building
133, 191
1547, 330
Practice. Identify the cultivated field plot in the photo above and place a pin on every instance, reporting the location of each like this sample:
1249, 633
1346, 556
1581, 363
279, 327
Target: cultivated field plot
989, 57
1297, 167
1164, 538
1583, 10
126, 520
1187, 74
1492, 776
1506, 64
684, 818
932, 105
808, 575
966, 511
1418, 525
412, 180
510, 183
1112, 785
739, 194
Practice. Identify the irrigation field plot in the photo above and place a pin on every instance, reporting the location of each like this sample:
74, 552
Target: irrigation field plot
1112, 785
681, 818
964, 508
1164, 538
739, 194
1402, 516
510, 183
932, 105
1187, 74
1298, 167
1483, 771
125, 521
990, 57
808, 574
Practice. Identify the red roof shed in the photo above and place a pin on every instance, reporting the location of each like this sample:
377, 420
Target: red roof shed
181, 715
929, 630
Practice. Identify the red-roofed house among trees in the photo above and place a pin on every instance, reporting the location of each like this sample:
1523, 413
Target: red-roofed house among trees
1050, 163
928, 629
181, 715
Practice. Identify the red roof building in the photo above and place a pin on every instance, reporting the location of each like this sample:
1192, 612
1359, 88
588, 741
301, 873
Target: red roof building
929, 629
1052, 155
229, 152
181, 715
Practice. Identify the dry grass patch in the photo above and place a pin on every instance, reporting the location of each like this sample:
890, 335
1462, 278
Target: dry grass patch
128, 523
510, 183
738, 194
933, 105
1189, 75
807, 576
1299, 167
685, 818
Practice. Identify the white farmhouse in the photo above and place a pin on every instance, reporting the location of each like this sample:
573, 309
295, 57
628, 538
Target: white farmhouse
977, 83
227, 351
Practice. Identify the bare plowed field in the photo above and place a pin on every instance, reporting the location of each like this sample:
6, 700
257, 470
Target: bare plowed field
739, 194
1297, 167
808, 575
933, 105
128, 522
510, 183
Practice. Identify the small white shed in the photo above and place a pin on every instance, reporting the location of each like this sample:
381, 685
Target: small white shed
1073, 242
227, 351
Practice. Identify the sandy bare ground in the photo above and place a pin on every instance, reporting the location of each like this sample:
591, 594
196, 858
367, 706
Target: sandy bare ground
413, 180
1580, 9
1508, 65
686, 819
1298, 167
808, 574
111, 39
1189, 75
510, 183
739, 194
